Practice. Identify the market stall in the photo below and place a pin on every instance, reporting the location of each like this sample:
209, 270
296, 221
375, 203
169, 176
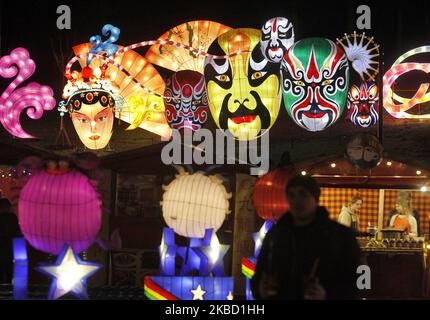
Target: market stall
398, 264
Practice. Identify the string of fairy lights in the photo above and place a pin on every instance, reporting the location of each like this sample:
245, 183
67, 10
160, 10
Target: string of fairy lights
112, 61
13, 173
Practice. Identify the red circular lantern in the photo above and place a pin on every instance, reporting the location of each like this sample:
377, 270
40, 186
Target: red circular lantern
269, 197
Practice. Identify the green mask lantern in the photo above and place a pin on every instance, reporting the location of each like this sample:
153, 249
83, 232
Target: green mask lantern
315, 82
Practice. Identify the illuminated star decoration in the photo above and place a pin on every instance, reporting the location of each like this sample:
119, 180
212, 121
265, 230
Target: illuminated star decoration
20, 271
260, 235
69, 274
190, 259
198, 293
212, 255
181, 288
248, 264
168, 252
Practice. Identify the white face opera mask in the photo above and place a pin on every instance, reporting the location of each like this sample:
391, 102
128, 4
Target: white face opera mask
276, 38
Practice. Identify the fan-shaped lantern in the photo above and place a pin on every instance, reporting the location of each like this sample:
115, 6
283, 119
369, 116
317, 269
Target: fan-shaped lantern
196, 34
363, 53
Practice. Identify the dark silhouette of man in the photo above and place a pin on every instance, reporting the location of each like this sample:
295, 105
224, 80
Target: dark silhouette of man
305, 255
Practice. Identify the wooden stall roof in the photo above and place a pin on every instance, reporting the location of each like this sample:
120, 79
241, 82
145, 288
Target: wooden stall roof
14, 150
339, 172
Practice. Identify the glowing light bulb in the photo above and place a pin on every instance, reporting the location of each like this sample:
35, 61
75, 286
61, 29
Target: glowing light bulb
215, 247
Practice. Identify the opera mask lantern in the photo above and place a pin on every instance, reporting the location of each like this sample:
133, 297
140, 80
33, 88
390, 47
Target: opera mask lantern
93, 119
243, 88
277, 37
186, 100
315, 82
112, 82
91, 105
363, 104
364, 151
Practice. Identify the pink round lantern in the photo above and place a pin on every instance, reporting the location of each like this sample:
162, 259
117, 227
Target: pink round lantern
58, 209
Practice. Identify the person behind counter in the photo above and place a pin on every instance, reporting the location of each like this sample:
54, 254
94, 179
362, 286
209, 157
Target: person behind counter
406, 195
349, 213
404, 219
306, 255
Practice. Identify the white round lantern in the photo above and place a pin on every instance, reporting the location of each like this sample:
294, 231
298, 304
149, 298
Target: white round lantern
193, 203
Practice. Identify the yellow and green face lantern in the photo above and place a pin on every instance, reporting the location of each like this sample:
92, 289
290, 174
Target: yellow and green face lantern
243, 88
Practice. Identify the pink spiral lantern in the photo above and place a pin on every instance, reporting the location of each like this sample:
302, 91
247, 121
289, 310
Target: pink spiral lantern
59, 209
34, 97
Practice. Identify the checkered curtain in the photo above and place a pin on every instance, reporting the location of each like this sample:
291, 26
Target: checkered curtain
420, 202
334, 198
